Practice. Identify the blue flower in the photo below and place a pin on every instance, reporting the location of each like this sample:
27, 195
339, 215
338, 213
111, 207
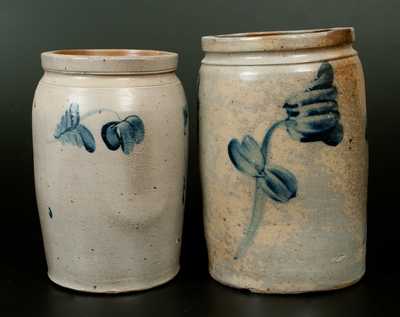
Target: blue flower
70, 131
124, 134
313, 115
275, 181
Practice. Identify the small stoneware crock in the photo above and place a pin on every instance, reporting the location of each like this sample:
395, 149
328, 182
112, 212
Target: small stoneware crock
283, 156
110, 142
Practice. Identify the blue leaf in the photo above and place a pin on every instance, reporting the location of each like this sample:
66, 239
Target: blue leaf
278, 183
126, 133
246, 156
286, 177
127, 137
87, 138
69, 120
252, 151
110, 136
137, 128
70, 131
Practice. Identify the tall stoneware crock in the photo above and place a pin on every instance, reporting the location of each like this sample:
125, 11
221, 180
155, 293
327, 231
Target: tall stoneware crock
283, 159
110, 141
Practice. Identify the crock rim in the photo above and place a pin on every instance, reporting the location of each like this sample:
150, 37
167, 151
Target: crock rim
109, 61
278, 40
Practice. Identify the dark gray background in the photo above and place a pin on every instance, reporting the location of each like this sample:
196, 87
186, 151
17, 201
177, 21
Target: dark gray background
30, 27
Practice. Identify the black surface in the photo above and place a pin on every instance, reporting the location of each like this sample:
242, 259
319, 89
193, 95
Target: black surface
30, 27
25, 293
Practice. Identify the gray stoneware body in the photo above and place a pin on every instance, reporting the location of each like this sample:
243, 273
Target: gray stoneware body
110, 142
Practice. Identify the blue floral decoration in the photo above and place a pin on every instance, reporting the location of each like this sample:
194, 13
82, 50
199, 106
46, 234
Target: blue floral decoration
125, 134
70, 131
313, 115
275, 181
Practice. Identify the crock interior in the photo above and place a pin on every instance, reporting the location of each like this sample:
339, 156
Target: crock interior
109, 52
109, 61
258, 34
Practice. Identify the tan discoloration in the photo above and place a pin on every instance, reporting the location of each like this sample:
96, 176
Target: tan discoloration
316, 241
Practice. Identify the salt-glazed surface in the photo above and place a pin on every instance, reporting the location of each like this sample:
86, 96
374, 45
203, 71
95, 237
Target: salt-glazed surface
110, 143
283, 155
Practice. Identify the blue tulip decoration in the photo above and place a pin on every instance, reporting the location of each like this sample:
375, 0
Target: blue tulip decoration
312, 116
70, 131
125, 134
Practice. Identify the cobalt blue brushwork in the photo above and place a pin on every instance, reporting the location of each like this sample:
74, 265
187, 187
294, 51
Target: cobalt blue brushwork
125, 134
313, 115
70, 131
122, 133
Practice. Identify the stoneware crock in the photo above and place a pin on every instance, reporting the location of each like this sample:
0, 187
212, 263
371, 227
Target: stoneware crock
110, 138
283, 157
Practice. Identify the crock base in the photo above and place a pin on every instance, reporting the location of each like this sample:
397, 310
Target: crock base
116, 287
289, 291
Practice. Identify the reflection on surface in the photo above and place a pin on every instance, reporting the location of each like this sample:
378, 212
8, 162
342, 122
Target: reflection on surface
192, 295
337, 303
348, 302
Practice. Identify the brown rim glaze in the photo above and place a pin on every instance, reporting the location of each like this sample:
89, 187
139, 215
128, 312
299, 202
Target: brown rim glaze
278, 40
109, 61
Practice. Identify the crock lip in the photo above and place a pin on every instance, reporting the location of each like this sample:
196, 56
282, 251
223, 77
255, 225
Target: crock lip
109, 61
278, 40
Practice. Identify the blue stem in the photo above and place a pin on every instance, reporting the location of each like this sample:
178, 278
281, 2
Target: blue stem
267, 138
93, 112
257, 214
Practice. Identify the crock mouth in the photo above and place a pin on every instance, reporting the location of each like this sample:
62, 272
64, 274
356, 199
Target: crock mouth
278, 40
109, 61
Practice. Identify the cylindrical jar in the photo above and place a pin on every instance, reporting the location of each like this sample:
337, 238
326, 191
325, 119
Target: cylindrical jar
110, 141
283, 156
